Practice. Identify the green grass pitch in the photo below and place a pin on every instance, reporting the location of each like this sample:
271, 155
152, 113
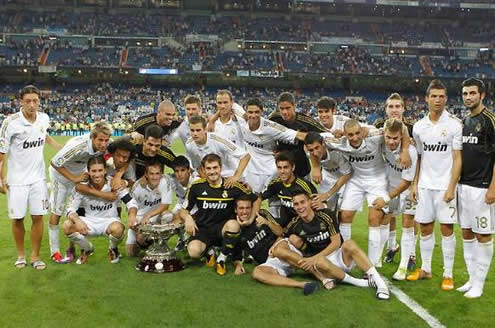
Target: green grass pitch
101, 294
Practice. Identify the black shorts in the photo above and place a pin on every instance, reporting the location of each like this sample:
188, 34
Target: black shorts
210, 235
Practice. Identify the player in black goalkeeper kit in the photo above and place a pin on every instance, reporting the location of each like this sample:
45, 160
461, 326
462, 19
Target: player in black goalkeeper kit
212, 223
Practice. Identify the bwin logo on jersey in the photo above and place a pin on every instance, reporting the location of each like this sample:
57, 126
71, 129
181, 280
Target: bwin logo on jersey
152, 203
435, 147
214, 206
470, 139
353, 159
31, 144
100, 207
286, 202
320, 237
259, 236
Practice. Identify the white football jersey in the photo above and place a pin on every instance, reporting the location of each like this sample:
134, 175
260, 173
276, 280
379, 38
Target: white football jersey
73, 156
394, 171
367, 160
147, 199
333, 167
262, 142
182, 132
229, 152
23, 142
230, 130
435, 143
338, 122
180, 190
99, 208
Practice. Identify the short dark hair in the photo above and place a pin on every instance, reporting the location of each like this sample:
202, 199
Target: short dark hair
154, 162
285, 157
154, 131
123, 144
95, 160
313, 137
246, 197
287, 97
471, 82
211, 158
300, 191
436, 84
326, 102
198, 119
255, 102
181, 161
29, 89
192, 99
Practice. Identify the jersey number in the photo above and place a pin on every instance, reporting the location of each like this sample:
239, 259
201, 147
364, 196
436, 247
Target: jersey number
481, 222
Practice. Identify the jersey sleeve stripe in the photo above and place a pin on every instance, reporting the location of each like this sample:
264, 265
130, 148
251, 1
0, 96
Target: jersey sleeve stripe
304, 185
227, 143
328, 220
143, 121
6, 123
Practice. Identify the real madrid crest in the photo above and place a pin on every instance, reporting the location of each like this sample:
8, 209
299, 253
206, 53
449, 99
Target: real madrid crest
477, 128
444, 132
225, 194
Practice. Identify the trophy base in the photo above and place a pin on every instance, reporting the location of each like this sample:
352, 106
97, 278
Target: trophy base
156, 266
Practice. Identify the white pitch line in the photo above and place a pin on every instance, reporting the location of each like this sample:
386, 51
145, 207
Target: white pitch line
414, 306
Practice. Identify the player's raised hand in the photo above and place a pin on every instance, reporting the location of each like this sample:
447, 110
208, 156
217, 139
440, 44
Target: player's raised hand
261, 220
319, 198
490, 196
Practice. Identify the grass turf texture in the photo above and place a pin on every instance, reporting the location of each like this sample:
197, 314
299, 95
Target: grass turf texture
116, 295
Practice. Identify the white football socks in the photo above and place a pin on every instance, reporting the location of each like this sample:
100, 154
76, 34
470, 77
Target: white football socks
345, 230
426, 244
448, 250
374, 244
407, 243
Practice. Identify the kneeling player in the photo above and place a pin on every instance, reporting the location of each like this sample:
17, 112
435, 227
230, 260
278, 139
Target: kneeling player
258, 235
210, 225
316, 233
101, 216
152, 196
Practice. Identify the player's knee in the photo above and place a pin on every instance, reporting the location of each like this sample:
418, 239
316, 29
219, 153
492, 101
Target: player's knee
232, 226
195, 250
350, 246
117, 229
346, 216
257, 273
296, 241
426, 229
280, 249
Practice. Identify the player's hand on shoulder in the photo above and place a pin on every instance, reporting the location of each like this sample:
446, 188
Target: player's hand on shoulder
319, 198
83, 177
405, 160
137, 138
229, 182
337, 133
317, 205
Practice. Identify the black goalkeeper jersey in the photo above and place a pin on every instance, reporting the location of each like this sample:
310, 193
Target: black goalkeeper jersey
215, 204
276, 188
256, 239
316, 234
478, 149
164, 156
144, 121
302, 123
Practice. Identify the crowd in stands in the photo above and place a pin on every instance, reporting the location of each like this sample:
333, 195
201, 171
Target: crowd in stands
121, 105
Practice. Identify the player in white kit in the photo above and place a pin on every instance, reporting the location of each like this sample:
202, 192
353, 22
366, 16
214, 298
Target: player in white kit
438, 138
227, 125
68, 167
152, 195
327, 117
234, 158
101, 216
22, 139
192, 106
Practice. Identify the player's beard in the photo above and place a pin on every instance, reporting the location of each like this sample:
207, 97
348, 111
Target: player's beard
473, 106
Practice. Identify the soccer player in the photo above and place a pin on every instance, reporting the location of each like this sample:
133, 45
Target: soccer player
101, 216
286, 115
234, 158
316, 233
120, 164
227, 125
259, 233
152, 195
327, 117
260, 136
399, 181
438, 139
152, 149
181, 179
68, 167
192, 106
22, 139
336, 170
212, 224
476, 190
284, 186
165, 117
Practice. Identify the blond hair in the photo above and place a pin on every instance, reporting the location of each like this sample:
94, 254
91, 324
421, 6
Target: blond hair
101, 127
394, 96
393, 125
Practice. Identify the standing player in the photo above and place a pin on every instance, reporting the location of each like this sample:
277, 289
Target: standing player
326, 114
152, 195
101, 216
286, 115
234, 158
22, 139
476, 189
192, 105
212, 224
227, 126
438, 139
165, 117
68, 167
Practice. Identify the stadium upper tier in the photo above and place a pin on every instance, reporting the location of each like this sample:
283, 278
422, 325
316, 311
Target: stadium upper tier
239, 27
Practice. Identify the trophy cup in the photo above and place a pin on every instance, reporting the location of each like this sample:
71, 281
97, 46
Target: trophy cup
159, 257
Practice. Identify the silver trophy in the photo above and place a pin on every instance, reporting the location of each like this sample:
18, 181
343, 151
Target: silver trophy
159, 257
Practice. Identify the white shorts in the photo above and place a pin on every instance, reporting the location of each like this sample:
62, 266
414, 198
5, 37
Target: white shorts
61, 190
431, 207
98, 226
34, 195
336, 259
257, 182
283, 268
474, 213
356, 191
407, 206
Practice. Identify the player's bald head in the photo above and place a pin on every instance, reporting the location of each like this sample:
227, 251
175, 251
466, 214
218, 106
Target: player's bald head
351, 124
166, 105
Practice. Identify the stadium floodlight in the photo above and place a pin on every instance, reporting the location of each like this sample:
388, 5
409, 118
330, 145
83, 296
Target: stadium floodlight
484, 49
159, 71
